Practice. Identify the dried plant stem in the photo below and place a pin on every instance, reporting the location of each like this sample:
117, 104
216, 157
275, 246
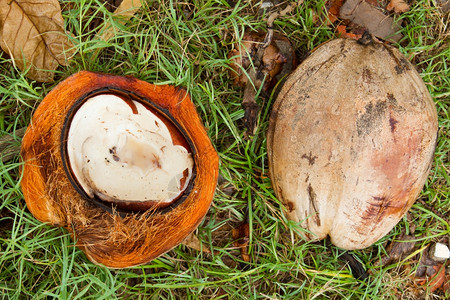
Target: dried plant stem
273, 16
8, 145
255, 79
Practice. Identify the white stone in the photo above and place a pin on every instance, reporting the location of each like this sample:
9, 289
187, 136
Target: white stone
441, 251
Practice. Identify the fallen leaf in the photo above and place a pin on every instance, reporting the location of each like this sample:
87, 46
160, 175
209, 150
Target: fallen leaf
241, 238
333, 7
366, 15
193, 242
124, 12
32, 33
342, 32
261, 60
436, 280
399, 249
399, 6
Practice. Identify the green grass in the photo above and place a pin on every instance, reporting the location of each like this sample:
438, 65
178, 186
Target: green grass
170, 42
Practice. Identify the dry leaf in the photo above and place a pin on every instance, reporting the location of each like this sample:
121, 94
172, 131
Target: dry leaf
342, 32
364, 14
32, 33
399, 249
436, 280
333, 7
125, 11
241, 236
193, 242
399, 6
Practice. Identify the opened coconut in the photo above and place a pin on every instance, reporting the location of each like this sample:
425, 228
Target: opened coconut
124, 165
350, 142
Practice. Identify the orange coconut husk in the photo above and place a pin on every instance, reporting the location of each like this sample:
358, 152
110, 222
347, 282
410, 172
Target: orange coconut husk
107, 237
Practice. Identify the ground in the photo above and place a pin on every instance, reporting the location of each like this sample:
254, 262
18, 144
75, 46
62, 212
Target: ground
187, 44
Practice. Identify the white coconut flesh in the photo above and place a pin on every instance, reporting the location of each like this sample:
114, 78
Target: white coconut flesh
121, 151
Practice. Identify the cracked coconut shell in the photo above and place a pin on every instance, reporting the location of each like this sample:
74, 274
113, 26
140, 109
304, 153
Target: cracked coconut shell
67, 183
351, 141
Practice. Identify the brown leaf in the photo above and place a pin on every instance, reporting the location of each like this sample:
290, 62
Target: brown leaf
436, 280
400, 249
193, 242
241, 236
32, 33
333, 7
364, 14
342, 32
266, 57
399, 6
125, 11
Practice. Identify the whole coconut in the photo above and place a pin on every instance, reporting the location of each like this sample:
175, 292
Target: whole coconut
350, 142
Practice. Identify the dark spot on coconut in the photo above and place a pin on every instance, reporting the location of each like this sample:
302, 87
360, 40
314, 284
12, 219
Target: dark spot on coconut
392, 123
343, 43
382, 206
398, 69
378, 199
311, 159
290, 206
374, 210
371, 117
312, 201
367, 76
391, 99
114, 153
157, 163
402, 64
366, 39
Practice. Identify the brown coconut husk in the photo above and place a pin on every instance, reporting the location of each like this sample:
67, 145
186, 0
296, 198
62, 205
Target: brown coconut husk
106, 236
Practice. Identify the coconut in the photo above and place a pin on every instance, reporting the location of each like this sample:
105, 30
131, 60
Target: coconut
351, 141
125, 166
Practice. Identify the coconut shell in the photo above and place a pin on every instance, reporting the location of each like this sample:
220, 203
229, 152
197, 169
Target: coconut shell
351, 141
107, 237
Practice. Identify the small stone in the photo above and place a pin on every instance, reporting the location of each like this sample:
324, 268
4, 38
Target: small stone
439, 252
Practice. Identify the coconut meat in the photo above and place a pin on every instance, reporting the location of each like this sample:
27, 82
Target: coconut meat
119, 150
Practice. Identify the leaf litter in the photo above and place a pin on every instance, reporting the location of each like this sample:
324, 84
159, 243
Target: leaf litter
32, 33
368, 16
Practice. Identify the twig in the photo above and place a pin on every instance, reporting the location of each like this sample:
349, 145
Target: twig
8, 145
273, 16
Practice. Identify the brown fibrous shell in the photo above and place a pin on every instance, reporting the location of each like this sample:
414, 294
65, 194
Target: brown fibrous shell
108, 237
